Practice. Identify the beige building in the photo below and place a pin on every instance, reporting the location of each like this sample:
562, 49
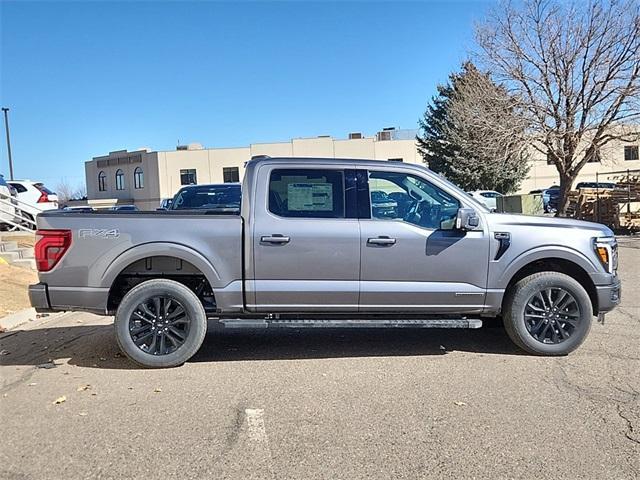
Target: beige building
615, 156
145, 177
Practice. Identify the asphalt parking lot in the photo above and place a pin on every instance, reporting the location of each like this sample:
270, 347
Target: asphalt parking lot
324, 404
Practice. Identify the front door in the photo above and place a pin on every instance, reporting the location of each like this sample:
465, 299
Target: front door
306, 242
412, 259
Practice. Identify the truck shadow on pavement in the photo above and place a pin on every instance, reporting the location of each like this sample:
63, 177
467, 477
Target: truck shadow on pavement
94, 346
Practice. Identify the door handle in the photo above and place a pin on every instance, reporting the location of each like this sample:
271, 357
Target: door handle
275, 238
385, 241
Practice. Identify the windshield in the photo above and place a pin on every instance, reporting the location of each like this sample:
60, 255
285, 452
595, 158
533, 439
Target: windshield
208, 197
491, 194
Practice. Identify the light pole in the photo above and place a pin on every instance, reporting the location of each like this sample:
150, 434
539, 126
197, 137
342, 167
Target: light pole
6, 127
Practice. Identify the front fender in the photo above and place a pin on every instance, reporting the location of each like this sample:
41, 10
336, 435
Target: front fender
542, 253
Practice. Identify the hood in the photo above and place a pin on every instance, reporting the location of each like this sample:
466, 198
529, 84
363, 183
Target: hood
502, 220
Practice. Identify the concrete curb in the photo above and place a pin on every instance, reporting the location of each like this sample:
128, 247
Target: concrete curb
19, 318
27, 319
26, 316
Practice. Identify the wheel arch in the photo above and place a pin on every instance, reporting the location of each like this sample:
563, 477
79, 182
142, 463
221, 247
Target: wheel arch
159, 249
563, 265
128, 269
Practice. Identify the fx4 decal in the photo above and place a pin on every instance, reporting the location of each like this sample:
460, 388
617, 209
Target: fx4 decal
98, 233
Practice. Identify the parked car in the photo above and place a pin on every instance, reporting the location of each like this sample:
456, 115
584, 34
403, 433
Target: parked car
34, 197
8, 205
553, 195
306, 251
124, 208
550, 197
600, 185
79, 208
217, 198
166, 203
487, 197
382, 205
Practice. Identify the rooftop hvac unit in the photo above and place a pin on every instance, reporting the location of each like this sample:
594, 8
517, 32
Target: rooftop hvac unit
190, 146
384, 135
355, 136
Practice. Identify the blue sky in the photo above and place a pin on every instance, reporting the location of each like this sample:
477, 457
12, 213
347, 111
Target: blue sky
84, 78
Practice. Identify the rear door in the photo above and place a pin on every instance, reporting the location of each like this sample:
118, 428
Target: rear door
306, 240
412, 259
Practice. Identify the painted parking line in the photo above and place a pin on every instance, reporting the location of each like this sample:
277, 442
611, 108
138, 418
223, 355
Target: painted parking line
258, 437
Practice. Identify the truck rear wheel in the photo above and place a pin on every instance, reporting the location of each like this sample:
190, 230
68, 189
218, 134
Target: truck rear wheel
548, 313
160, 323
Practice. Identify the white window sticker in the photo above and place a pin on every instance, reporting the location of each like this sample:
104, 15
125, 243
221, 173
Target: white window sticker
304, 197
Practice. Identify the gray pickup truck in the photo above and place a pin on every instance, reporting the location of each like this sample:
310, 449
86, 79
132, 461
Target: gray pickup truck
326, 242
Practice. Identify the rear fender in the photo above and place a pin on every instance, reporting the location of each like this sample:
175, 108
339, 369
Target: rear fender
160, 249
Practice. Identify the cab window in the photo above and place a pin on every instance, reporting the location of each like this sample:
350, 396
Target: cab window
307, 193
405, 197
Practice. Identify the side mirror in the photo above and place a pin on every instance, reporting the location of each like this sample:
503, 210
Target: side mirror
466, 219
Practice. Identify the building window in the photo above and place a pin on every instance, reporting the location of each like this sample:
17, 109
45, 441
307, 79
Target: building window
395, 159
231, 174
138, 178
550, 159
102, 182
119, 180
631, 152
188, 177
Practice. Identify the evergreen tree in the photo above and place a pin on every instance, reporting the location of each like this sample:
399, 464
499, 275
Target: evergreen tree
472, 134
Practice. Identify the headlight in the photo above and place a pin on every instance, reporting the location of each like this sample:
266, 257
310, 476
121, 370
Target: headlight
606, 249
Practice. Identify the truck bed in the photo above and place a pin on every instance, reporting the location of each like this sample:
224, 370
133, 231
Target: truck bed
105, 243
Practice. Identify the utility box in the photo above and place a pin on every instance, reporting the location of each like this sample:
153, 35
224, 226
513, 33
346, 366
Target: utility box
529, 204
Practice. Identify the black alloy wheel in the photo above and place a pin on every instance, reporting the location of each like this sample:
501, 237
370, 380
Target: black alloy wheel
159, 325
552, 315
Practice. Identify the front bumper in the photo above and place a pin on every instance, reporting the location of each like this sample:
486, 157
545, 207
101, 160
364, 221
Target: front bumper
609, 296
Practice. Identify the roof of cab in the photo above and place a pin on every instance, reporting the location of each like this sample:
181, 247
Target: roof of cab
330, 161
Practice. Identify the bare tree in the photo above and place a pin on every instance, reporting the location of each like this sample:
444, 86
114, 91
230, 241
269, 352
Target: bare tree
64, 190
80, 193
473, 134
67, 192
575, 68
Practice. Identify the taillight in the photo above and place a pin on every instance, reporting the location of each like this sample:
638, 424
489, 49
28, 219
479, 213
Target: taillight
51, 245
44, 198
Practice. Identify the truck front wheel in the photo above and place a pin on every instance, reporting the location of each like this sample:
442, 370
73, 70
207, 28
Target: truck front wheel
547, 313
160, 323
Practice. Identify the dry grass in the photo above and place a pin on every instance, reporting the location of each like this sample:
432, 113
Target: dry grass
26, 240
13, 288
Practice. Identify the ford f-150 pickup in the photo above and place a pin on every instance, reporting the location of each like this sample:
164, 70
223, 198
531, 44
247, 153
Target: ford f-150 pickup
328, 242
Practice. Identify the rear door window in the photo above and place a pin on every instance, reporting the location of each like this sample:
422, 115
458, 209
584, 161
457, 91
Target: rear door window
43, 189
307, 193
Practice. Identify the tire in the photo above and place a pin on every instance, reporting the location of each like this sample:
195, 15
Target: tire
520, 318
186, 328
